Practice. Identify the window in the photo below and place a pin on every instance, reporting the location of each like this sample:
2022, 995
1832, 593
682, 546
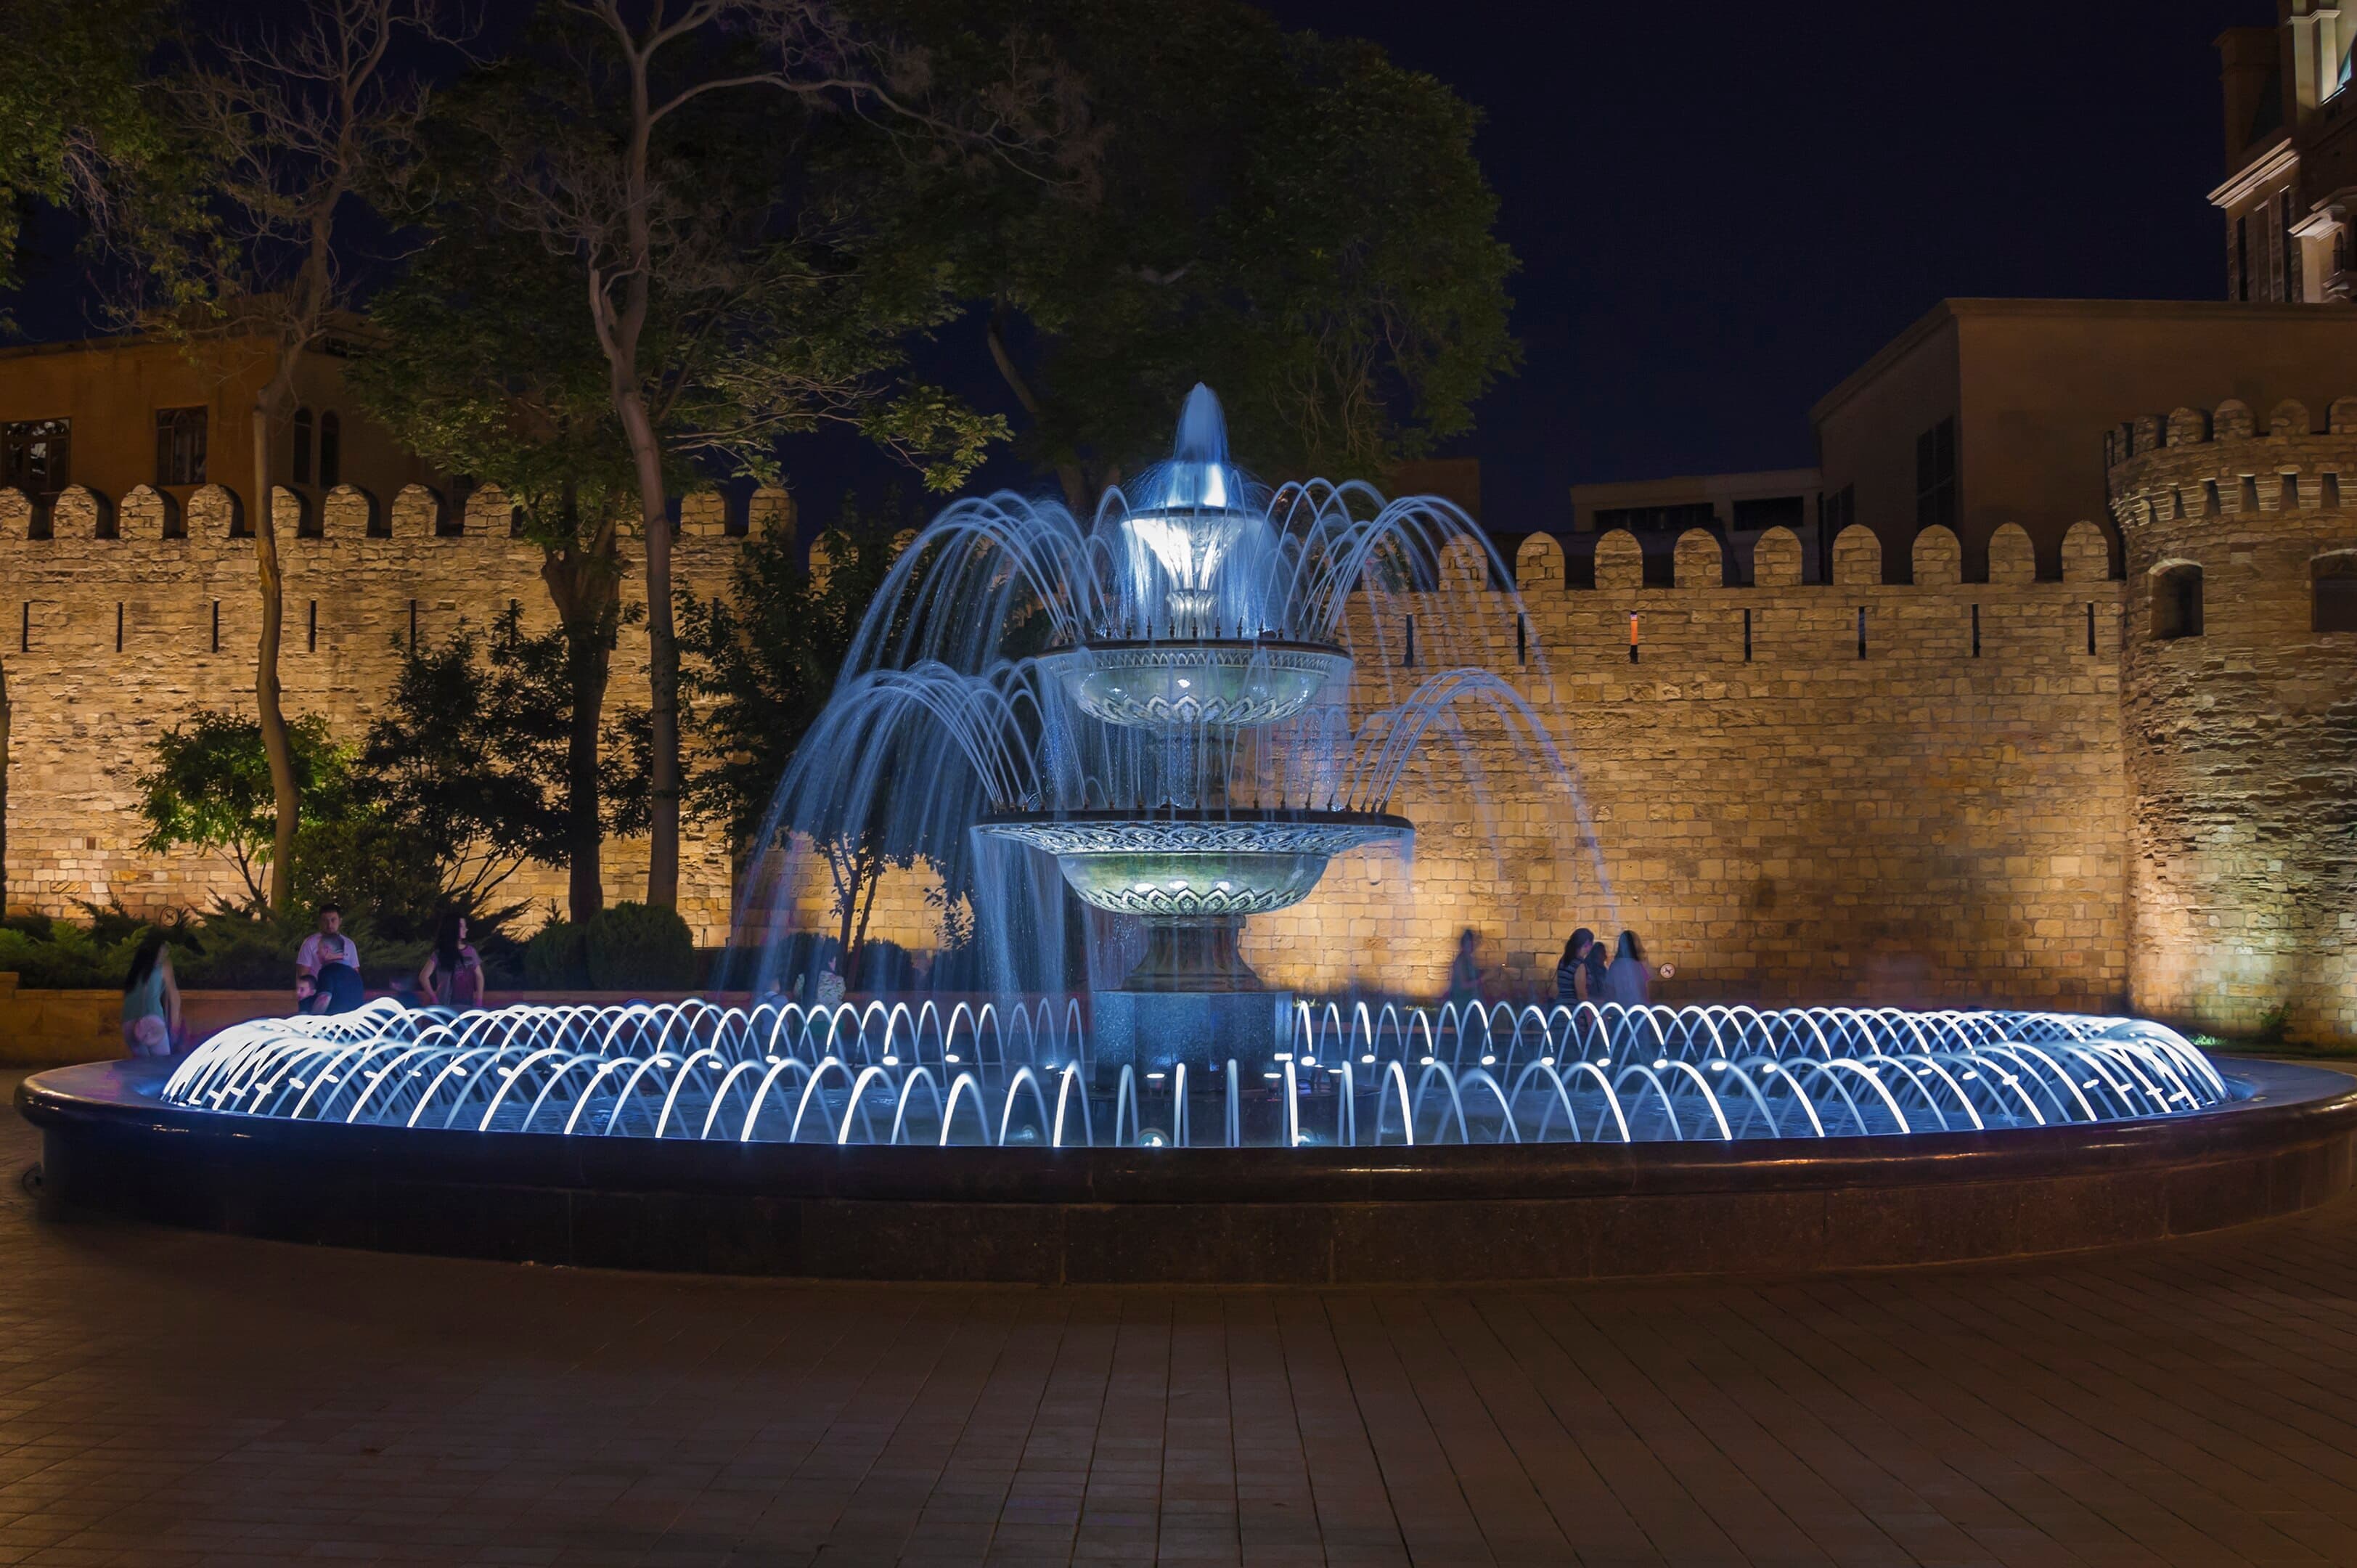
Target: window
2293, 292
1834, 513
2332, 581
179, 447
1935, 475
2239, 287
1763, 512
34, 455
2176, 601
302, 445
331, 450
1837, 510
1673, 520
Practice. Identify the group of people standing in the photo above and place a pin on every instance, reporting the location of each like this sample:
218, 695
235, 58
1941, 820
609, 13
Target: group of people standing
326, 979
1584, 974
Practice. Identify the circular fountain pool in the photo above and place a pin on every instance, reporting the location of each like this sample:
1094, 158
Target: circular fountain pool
1363, 1077
1387, 1144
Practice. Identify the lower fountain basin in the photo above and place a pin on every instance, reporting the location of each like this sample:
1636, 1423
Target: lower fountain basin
1196, 866
115, 1142
1230, 683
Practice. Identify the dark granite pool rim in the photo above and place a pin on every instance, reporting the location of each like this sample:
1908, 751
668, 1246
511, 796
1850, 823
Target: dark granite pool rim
1257, 1216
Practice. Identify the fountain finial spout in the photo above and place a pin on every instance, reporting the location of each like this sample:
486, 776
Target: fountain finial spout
1197, 476
1202, 429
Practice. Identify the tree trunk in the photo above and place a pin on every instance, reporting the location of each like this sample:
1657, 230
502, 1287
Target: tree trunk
276, 747
867, 906
663, 651
581, 584
854, 865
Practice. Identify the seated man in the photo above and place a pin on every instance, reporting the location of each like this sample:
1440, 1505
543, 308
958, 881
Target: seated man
328, 967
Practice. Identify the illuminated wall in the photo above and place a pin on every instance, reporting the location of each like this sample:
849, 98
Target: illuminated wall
2242, 735
110, 641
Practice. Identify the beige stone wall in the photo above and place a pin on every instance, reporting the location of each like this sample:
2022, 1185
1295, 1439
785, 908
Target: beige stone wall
1922, 824
108, 643
2036, 822
2241, 741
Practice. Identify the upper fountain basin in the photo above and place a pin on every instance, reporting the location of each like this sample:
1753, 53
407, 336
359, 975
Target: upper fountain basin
1227, 683
1195, 866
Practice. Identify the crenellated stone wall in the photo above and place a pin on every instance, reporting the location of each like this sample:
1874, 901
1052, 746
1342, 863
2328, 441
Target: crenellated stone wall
1941, 817
2002, 791
132, 614
2242, 735
1845, 791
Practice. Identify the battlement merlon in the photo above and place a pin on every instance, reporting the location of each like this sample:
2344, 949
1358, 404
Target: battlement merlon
1617, 561
217, 513
2195, 462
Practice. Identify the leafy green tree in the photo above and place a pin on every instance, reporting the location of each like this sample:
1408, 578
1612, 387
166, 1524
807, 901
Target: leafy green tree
477, 363
472, 755
662, 149
210, 788
764, 658
71, 97
241, 243
767, 652
1294, 219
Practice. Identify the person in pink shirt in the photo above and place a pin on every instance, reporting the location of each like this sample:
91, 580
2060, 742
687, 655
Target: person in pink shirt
453, 975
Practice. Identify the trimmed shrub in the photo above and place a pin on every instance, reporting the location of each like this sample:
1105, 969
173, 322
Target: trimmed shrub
64, 957
639, 946
883, 966
555, 959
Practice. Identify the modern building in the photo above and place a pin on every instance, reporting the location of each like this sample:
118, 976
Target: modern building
2290, 192
1987, 412
1733, 508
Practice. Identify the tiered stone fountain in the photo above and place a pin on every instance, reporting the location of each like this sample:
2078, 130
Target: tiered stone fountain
1198, 665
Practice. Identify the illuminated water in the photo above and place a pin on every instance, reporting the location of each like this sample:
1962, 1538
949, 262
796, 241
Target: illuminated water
1021, 1075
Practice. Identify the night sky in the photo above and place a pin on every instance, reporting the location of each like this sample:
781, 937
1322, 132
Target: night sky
1721, 211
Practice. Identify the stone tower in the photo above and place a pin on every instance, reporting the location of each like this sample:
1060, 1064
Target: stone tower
2239, 711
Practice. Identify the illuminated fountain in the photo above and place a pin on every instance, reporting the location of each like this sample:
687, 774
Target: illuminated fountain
1171, 720
1165, 713
1180, 746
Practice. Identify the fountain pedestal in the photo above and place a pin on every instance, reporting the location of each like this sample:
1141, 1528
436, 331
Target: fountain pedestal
1153, 1031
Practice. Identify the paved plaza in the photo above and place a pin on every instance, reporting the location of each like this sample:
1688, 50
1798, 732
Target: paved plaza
169, 1397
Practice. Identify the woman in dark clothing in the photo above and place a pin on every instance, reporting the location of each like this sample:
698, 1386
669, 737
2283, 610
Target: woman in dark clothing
453, 975
1628, 982
1579, 977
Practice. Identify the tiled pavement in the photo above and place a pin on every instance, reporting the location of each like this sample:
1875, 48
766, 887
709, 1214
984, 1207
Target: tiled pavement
180, 1398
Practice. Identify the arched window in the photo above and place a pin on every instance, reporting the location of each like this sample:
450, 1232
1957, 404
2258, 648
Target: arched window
302, 445
2176, 601
2332, 582
331, 449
